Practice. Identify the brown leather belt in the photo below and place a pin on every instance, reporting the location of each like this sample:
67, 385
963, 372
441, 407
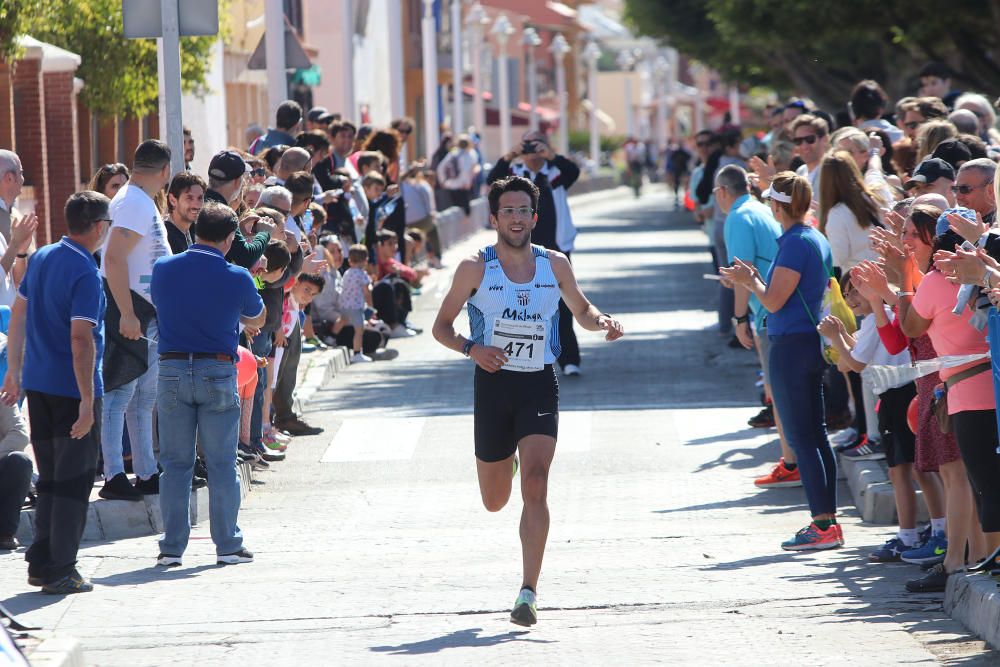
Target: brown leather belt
196, 355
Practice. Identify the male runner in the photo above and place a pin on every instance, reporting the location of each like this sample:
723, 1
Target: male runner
513, 290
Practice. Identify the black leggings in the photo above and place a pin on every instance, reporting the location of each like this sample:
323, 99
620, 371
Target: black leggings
976, 433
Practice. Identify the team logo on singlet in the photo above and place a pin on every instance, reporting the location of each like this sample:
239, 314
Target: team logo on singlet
523, 297
496, 288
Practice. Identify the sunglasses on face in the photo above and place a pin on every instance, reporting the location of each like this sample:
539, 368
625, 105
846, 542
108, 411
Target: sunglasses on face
260, 171
808, 139
966, 189
912, 125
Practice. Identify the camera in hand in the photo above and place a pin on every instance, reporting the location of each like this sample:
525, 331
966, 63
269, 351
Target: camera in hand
529, 147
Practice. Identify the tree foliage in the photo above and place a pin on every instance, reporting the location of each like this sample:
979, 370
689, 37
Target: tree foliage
822, 49
120, 75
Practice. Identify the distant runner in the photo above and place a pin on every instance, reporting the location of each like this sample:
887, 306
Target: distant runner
512, 289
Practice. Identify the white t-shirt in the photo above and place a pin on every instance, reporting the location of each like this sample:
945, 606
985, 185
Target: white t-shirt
869, 350
813, 177
849, 243
133, 209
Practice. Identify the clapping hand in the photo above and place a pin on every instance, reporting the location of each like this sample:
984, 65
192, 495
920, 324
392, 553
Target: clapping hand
830, 326
967, 229
964, 266
871, 282
22, 231
764, 170
741, 273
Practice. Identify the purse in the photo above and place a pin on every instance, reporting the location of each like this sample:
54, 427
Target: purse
939, 404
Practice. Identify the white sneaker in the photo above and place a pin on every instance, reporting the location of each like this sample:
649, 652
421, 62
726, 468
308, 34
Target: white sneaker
849, 434
400, 331
571, 370
360, 358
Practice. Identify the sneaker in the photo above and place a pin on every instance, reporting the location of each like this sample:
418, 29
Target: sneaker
847, 436
935, 581
316, 342
307, 348
763, 419
272, 443
360, 358
988, 563
930, 552
296, 426
811, 537
277, 436
924, 534
865, 451
258, 463
400, 331
840, 534
198, 483
889, 552
148, 487
571, 370
524, 613
271, 455
119, 488
73, 582
241, 556
779, 477
168, 560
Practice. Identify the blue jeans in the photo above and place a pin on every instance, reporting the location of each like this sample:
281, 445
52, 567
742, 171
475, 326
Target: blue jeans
197, 397
260, 346
796, 374
132, 403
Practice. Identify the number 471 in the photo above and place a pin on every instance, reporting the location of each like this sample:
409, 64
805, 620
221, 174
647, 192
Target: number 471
520, 347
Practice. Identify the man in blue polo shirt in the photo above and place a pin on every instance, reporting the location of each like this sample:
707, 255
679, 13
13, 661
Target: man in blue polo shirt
61, 305
196, 393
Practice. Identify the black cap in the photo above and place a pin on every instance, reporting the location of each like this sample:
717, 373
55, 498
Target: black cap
953, 151
316, 112
227, 166
930, 170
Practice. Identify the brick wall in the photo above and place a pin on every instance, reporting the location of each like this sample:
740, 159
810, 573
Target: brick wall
29, 122
6, 107
63, 163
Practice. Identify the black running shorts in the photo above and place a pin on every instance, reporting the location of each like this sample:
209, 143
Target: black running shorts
510, 405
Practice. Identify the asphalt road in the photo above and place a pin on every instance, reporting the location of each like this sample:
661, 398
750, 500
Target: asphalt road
372, 544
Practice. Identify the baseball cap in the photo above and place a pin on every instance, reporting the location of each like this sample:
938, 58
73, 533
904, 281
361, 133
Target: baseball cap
326, 118
930, 170
227, 166
316, 112
942, 222
953, 151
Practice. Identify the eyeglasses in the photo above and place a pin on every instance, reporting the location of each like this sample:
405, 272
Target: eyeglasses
809, 139
114, 168
912, 125
966, 189
510, 212
260, 171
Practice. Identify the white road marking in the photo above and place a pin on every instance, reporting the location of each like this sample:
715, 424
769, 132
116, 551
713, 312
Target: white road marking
375, 440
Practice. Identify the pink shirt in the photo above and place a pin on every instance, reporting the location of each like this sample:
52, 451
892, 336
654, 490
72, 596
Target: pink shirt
953, 335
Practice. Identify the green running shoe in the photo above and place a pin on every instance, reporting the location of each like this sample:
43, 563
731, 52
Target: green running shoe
516, 465
524, 612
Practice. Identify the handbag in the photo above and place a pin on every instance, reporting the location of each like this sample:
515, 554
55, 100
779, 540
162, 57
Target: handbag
939, 404
833, 304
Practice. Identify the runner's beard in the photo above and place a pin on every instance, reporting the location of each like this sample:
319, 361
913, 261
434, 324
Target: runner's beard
518, 241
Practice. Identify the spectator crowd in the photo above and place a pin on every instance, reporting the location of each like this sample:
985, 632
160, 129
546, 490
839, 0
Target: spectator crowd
857, 252
159, 342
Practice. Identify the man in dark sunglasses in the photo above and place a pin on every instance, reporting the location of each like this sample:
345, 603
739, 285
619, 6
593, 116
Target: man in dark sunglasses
974, 188
810, 134
919, 111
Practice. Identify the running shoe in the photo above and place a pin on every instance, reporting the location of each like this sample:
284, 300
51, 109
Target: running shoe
763, 419
316, 342
74, 582
779, 477
811, 537
889, 552
272, 443
360, 358
840, 534
866, 450
524, 613
241, 556
930, 552
935, 581
168, 560
847, 436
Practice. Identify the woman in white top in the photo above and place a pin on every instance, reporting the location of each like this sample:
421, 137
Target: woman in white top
847, 210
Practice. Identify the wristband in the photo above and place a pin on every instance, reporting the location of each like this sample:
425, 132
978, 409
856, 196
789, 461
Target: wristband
742, 318
986, 279
22, 255
901, 294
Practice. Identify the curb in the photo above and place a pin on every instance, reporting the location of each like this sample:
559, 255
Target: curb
57, 651
872, 491
974, 601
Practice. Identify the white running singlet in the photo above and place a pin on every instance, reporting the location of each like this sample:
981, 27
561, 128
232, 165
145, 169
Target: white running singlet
499, 298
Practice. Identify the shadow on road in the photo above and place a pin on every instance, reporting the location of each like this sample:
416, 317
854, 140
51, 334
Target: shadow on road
469, 638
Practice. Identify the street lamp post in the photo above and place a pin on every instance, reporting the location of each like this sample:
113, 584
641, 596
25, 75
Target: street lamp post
560, 47
592, 53
428, 29
530, 41
456, 65
476, 19
660, 71
626, 61
502, 30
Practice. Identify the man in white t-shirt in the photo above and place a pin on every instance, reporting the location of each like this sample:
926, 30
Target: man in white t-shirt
137, 239
810, 134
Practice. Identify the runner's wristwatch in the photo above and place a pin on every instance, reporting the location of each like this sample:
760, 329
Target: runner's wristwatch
467, 348
741, 319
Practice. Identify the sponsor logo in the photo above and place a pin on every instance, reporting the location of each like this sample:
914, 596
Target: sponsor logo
541, 286
520, 315
523, 297
496, 288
